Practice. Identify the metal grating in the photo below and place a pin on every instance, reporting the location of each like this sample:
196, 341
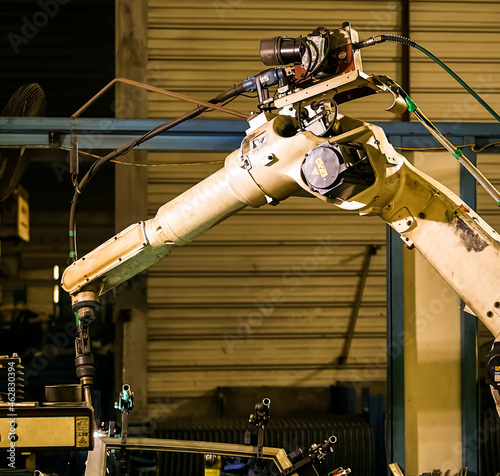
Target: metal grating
354, 448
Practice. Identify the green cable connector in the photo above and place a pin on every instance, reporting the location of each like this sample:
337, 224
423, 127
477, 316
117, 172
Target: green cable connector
411, 105
457, 153
71, 232
72, 254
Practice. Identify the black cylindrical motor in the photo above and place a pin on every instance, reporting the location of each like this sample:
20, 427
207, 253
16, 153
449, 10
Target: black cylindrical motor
281, 50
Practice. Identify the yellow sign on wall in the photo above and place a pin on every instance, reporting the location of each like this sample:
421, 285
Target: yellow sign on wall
23, 214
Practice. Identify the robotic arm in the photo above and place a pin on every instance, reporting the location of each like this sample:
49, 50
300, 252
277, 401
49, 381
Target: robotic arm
354, 170
309, 149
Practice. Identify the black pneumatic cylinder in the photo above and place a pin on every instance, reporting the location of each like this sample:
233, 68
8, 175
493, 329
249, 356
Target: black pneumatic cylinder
84, 365
85, 371
84, 362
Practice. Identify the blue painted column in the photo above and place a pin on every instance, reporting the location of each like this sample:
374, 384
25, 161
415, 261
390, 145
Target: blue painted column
395, 439
469, 385
469, 348
395, 432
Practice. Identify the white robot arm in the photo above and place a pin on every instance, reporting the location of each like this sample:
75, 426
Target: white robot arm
308, 149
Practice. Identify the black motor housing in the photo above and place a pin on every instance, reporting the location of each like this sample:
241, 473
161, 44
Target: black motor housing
337, 171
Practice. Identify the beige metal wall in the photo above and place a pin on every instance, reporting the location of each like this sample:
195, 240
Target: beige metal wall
265, 298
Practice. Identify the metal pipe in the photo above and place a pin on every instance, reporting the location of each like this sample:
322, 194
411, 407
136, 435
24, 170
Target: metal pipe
87, 397
165, 92
457, 153
357, 305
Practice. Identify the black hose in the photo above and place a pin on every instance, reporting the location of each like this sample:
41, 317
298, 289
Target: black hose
236, 90
400, 39
376, 40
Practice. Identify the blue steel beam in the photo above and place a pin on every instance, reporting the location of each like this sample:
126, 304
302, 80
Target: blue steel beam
195, 134
112, 133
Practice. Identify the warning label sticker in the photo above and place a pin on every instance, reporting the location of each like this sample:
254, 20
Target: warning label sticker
258, 141
82, 432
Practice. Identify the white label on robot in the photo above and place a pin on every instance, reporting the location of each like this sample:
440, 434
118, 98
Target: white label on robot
259, 141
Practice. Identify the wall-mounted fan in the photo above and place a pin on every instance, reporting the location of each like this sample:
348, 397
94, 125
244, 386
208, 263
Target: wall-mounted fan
27, 101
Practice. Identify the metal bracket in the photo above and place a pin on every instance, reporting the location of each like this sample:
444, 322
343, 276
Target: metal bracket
245, 162
402, 220
125, 404
96, 463
54, 140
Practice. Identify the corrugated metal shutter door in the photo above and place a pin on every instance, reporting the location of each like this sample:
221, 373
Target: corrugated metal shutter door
465, 36
264, 298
